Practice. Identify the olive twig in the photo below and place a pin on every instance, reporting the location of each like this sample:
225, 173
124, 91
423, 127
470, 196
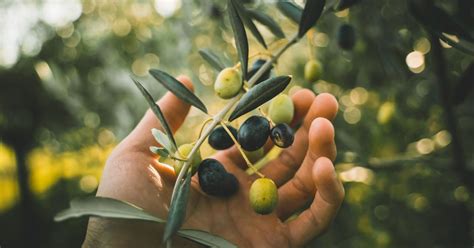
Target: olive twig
249, 164
220, 116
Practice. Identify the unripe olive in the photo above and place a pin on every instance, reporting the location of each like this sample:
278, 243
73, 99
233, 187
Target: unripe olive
228, 83
281, 109
255, 67
214, 179
263, 196
346, 37
255, 155
182, 153
312, 70
253, 133
219, 139
282, 135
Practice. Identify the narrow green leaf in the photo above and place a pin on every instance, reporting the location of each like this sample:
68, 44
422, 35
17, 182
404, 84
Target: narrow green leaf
244, 16
240, 37
178, 89
206, 238
439, 21
177, 211
259, 94
465, 85
290, 10
163, 140
212, 58
268, 22
112, 208
105, 207
163, 152
460, 44
311, 13
157, 111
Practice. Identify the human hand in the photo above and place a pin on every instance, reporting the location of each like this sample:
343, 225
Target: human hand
303, 172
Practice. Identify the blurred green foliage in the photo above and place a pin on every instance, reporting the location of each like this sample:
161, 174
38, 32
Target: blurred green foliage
68, 99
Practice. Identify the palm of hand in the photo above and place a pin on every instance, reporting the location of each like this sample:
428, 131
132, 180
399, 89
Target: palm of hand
302, 172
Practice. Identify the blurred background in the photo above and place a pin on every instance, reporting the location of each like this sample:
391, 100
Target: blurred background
404, 131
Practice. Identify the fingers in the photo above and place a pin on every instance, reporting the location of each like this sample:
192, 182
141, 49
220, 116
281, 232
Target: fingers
302, 101
175, 112
315, 220
295, 193
284, 167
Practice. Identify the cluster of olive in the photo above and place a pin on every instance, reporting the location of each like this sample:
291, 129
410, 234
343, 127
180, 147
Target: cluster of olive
251, 137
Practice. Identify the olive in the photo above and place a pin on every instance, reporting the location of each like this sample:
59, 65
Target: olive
281, 109
346, 37
255, 156
228, 83
182, 153
263, 196
214, 179
255, 67
253, 133
219, 139
312, 70
282, 135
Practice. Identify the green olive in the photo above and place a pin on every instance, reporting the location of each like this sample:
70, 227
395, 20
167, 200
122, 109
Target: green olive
281, 109
182, 153
312, 70
263, 196
228, 83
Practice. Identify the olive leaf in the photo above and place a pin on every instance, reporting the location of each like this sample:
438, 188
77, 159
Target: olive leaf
290, 10
212, 58
163, 140
344, 4
104, 207
465, 85
460, 44
240, 37
268, 22
244, 16
438, 21
112, 208
177, 210
163, 152
311, 13
259, 94
178, 89
206, 238
157, 111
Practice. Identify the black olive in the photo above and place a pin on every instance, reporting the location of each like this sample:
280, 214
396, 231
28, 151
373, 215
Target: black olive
253, 133
282, 135
346, 37
214, 179
219, 139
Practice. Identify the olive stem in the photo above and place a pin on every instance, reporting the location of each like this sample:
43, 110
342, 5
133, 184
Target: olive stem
179, 159
249, 164
203, 125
